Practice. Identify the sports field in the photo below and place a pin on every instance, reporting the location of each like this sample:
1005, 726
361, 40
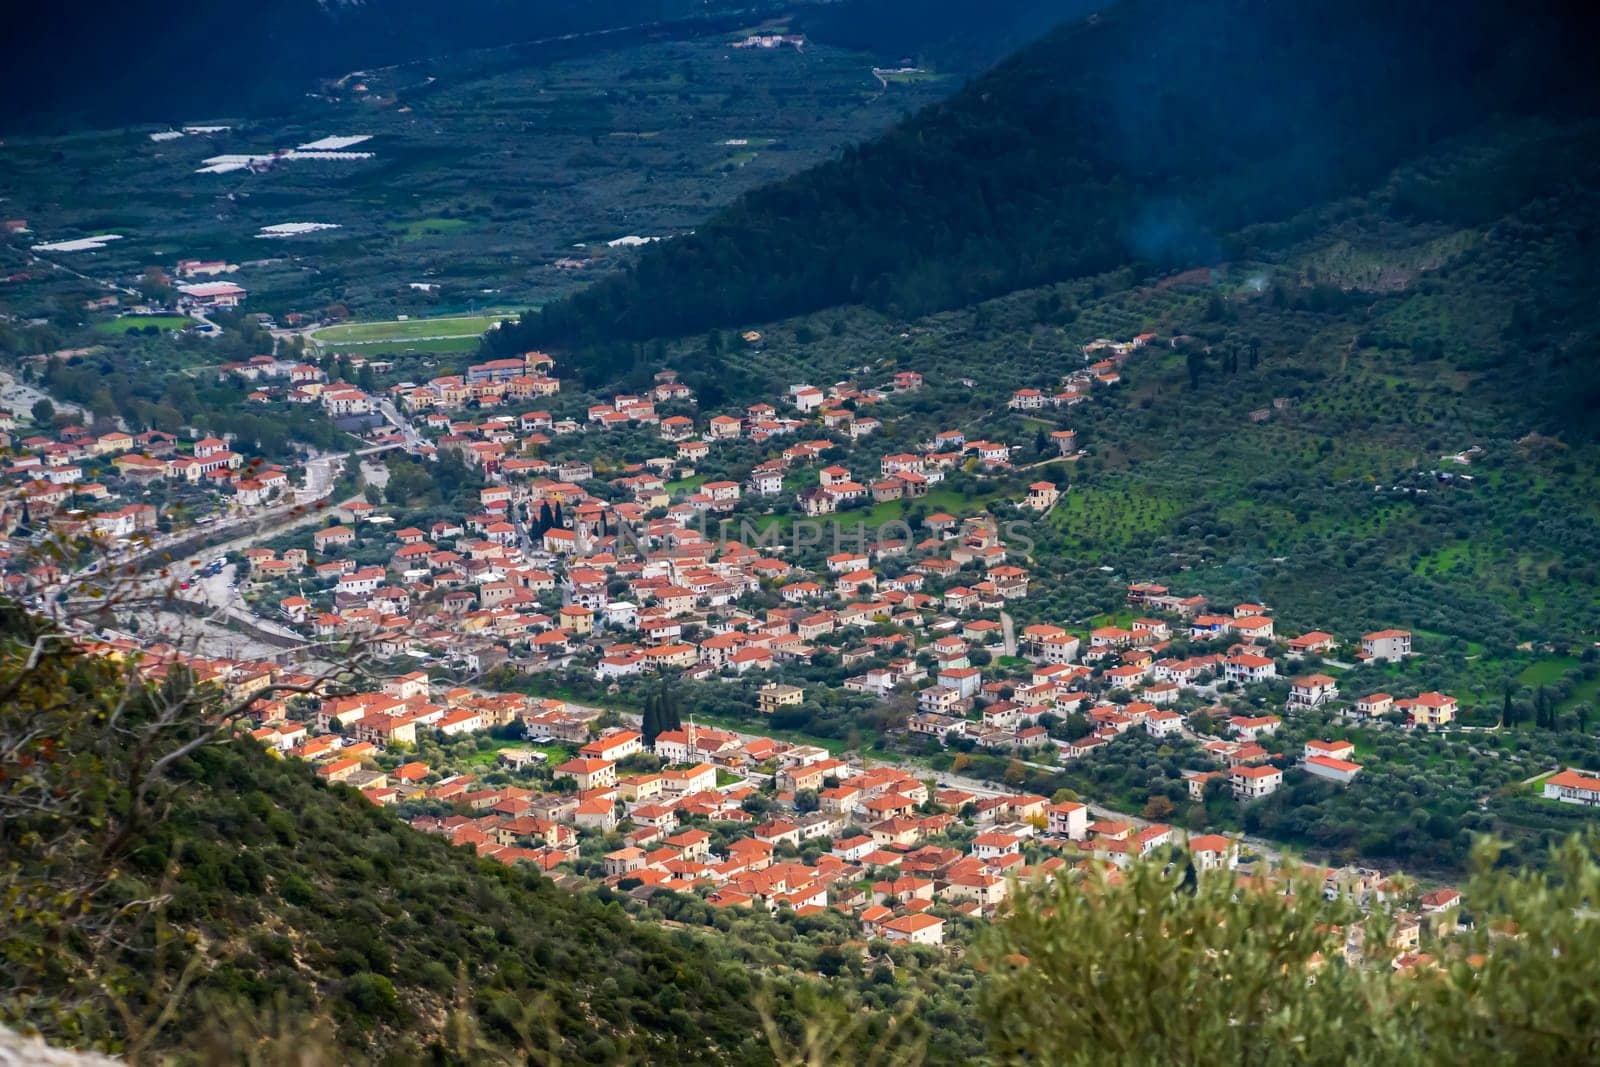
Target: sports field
368, 333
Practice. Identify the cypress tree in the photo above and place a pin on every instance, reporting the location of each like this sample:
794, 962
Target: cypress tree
651, 727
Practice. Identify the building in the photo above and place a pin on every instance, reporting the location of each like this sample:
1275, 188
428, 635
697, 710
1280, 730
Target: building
589, 773
1247, 668
1429, 711
1335, 770
1386, 646
1067, 820
918, 929
213, 294
1213, 852
1255, 782
1313, 690
1573, 787
775, 695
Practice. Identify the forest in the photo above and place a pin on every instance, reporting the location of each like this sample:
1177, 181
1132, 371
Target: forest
1147, 135
164, 62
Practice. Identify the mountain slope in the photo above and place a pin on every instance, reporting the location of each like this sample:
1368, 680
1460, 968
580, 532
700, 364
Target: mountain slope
950, 34
301, 912
158, 61
1146, 134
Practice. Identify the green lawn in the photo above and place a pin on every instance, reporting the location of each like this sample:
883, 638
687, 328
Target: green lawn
687, 485
459, 326
554, 753
433, 227
1547, 670
139, 322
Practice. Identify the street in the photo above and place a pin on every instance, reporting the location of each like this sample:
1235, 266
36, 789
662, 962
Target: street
18, 397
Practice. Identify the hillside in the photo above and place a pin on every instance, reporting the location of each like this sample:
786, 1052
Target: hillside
1147, 134
109, 64
946, 34
300, 913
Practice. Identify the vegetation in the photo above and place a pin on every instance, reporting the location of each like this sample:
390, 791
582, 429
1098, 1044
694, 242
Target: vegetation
220, 62
1162, 965
1111, 142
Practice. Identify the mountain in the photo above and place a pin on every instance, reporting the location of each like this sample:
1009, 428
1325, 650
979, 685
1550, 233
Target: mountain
948, 34
1146, 134
159, 61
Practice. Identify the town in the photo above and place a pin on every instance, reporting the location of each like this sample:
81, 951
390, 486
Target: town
650, 571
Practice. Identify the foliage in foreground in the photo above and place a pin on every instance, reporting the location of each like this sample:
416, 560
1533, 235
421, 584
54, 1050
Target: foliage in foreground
1162, 966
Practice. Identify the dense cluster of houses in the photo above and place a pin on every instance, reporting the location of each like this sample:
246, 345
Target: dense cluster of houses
750, 821
58, 480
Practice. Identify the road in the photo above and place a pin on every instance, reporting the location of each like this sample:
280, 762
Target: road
19, 397
408, 433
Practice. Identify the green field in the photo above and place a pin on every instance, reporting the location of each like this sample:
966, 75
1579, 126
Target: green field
687, 485
432, 227
139, 322
373, 333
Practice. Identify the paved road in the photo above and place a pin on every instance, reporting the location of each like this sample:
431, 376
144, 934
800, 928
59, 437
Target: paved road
408, 433
18, 397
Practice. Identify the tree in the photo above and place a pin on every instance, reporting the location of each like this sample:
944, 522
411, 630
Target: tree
1227, 965
43, 411
671, 714
1158, 807
650, 726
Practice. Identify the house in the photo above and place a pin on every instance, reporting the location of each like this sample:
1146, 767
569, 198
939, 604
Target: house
589, 773
918, 929
1573, 787
624, 861
1042, 496
775, 695
1246, 668
1312, 690
1330, 749
1335, 770
617, 745
1254, 727
1429, 711
1067, 820
1212, 852
1315, 641
1373, 705
1386, 646
1163, 723
1437, 900
1254, 782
